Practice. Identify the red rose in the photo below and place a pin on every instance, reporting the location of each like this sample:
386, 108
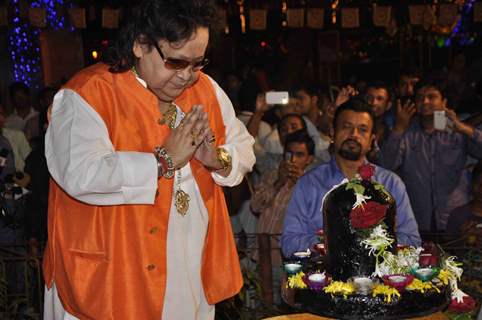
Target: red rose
467, 304
367, 215
366, 171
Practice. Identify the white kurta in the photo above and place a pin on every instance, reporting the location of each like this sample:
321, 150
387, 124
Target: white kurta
184, 298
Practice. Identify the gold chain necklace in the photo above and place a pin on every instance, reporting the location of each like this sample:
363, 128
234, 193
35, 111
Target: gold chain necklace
181, 198
170, 116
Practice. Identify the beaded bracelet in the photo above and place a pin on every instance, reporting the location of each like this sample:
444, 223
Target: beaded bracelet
164, 162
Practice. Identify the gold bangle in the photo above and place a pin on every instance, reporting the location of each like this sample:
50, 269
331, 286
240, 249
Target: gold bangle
224, 157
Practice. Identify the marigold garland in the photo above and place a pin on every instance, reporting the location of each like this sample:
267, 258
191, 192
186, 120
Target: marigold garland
386, 291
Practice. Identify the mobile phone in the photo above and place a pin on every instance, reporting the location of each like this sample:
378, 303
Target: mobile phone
277, 97
288, 156
439, 120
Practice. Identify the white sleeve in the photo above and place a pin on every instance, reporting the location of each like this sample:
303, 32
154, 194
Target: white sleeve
239, 143
82, 159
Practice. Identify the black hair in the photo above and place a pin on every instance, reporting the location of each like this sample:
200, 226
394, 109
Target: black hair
18, 86
171, 20
356, 104
301, 136
292, 115
378, 84
431, 83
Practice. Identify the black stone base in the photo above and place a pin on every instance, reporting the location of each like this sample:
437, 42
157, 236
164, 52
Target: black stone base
360, 307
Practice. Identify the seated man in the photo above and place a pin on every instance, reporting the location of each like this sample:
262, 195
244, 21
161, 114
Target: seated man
353, 123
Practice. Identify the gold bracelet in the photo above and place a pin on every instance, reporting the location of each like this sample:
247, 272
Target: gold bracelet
224, 158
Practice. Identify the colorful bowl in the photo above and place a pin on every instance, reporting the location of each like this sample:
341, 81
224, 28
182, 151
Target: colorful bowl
292, 268
425, 274
398, 281
363, 285
315, 280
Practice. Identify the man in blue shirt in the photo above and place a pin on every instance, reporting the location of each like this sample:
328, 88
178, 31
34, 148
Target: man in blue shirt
354, 134
431, 162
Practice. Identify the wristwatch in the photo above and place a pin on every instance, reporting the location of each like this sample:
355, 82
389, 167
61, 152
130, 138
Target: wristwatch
224, 157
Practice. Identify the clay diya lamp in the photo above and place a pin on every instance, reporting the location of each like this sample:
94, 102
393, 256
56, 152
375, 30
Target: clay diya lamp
398, 281
315, 281
292, 268
425, 274
363, 285
302, 256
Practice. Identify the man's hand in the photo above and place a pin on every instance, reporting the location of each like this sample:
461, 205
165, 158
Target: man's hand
184, 140
344, 95
459, 125
403, 116
261, 105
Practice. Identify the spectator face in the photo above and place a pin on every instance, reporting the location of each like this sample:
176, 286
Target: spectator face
378, 99
406, 85
428, 100
289, 125
305, 101
353, 134
168, 83
299, 154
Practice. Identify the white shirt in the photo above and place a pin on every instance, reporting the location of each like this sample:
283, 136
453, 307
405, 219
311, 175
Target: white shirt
14, 121
89, 168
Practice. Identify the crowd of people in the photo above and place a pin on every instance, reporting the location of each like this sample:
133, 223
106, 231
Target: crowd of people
142, 185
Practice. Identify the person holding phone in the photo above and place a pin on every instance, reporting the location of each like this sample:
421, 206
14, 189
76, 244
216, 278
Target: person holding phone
139, 148
430, 156
272, 194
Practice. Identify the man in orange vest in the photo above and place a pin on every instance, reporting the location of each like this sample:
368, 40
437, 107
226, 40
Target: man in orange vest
138, 149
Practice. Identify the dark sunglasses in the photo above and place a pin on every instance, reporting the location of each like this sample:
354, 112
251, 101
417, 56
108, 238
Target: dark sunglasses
180, 64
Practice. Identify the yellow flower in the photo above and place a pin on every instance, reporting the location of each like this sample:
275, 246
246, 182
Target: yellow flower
296, 281
387, 291
340, 287
445, 276
422, 286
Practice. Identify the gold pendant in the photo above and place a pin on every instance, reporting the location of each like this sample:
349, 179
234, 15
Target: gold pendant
182, 202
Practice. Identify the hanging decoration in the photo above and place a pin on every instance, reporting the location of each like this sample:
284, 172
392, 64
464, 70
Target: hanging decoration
77, 18
242, 17
416, 13
110, 18
381, 15
315, 18
37, 17
447, 14
478, 12
257, 19
350, 18
428, 18
295, 17
334, 9
284, 8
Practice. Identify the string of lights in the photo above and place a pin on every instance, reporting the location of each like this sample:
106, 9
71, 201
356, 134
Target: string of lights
24, 40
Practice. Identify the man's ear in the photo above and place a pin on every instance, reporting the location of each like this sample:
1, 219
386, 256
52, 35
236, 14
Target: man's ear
137, 49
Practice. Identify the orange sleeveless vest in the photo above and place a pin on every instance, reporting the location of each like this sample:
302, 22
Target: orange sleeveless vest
109, 262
